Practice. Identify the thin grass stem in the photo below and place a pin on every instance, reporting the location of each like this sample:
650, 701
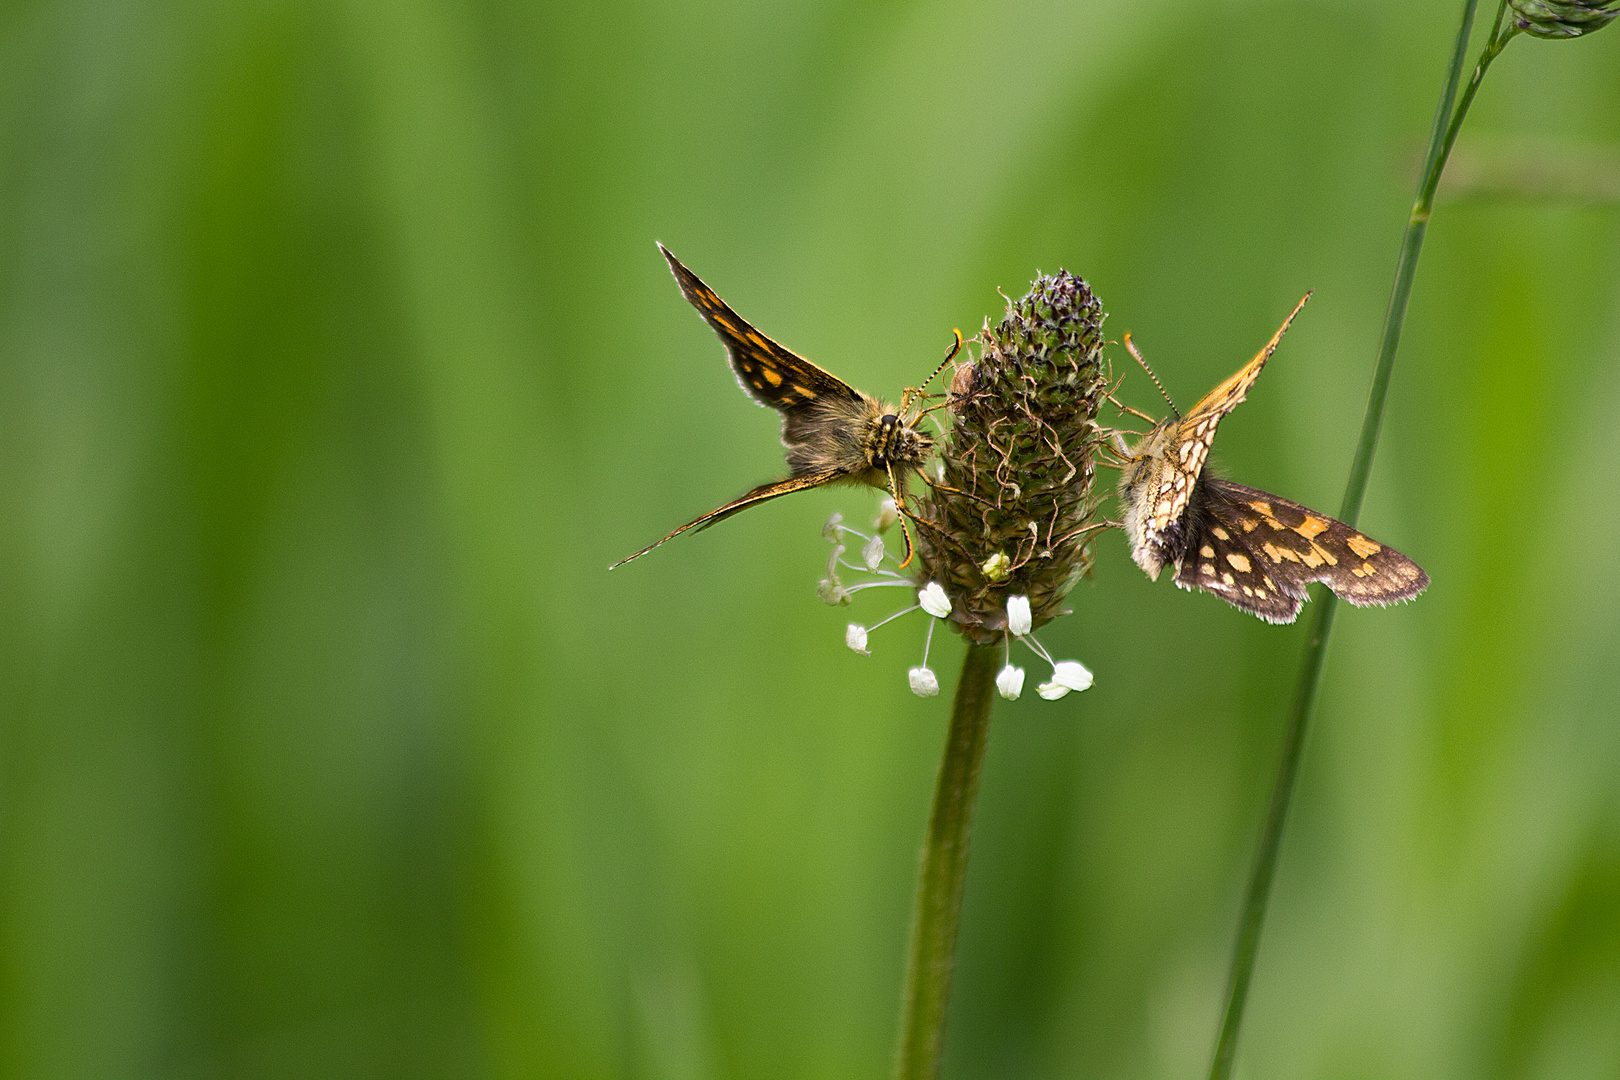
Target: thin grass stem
1448, 120
944, 869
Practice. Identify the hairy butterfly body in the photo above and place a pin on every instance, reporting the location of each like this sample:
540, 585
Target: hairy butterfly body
833, 433
1256, 551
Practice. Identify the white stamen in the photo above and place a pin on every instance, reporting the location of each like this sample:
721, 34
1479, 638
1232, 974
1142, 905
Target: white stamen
923, 682
933, 600
1010, 682
872, 553
1066, 675
891, 618
888, 514
832, 593
1037, 648
880, 585
1071, 673
830, 531
1019, 620
855, 638
829, 588
928, 641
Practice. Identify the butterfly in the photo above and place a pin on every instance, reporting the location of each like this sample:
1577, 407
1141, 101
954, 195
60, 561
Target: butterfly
1254, 550
833, 433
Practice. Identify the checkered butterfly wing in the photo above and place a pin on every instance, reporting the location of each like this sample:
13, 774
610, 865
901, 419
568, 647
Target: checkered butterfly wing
1258, 552
769, 373
1194, 435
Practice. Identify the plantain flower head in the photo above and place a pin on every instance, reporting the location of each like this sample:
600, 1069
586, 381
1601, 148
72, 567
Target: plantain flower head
1009, 530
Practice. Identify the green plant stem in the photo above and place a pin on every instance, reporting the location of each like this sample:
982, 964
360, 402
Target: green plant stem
944, 869
1447, 122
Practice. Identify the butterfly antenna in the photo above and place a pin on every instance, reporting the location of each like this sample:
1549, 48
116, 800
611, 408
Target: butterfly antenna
1130, 348
912, 391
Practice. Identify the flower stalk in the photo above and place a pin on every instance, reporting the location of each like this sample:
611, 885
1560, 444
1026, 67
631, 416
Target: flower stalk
944, 869
1449, 116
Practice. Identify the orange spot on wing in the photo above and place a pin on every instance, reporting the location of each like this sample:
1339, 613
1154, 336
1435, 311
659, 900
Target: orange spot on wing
1363, 547
1311, 527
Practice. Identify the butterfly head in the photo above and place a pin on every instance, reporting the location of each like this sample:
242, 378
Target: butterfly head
892, 440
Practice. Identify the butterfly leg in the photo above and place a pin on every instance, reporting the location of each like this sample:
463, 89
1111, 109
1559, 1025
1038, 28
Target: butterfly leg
1093, 527
1138, 413
938, 533
953, 491
933, 408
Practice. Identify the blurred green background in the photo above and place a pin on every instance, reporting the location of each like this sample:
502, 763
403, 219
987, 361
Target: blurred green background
337, 362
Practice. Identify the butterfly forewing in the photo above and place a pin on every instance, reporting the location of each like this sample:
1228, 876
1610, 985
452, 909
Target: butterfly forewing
1227, 396
770, 373
1194, 434
832, 431
1258, 552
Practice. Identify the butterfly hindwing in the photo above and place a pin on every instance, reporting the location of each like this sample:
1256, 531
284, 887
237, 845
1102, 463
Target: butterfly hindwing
769, 373
1219, 560
1258, 552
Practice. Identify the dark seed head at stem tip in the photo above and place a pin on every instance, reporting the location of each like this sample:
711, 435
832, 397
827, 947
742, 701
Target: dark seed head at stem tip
1012, 515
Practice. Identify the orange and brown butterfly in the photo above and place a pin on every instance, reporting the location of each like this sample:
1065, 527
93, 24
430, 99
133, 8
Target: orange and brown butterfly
1254, 550
833, 433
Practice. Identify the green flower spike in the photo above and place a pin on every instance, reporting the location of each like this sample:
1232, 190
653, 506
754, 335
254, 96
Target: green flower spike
1562, 18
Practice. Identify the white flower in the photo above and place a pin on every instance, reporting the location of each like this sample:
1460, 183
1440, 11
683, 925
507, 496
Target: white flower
923, 682
888, 514
933, 600
1066, 675
832, 592
1051, 691
855, 638
1018, 617
1072, 674
1010, 682
872, 553
829, 588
